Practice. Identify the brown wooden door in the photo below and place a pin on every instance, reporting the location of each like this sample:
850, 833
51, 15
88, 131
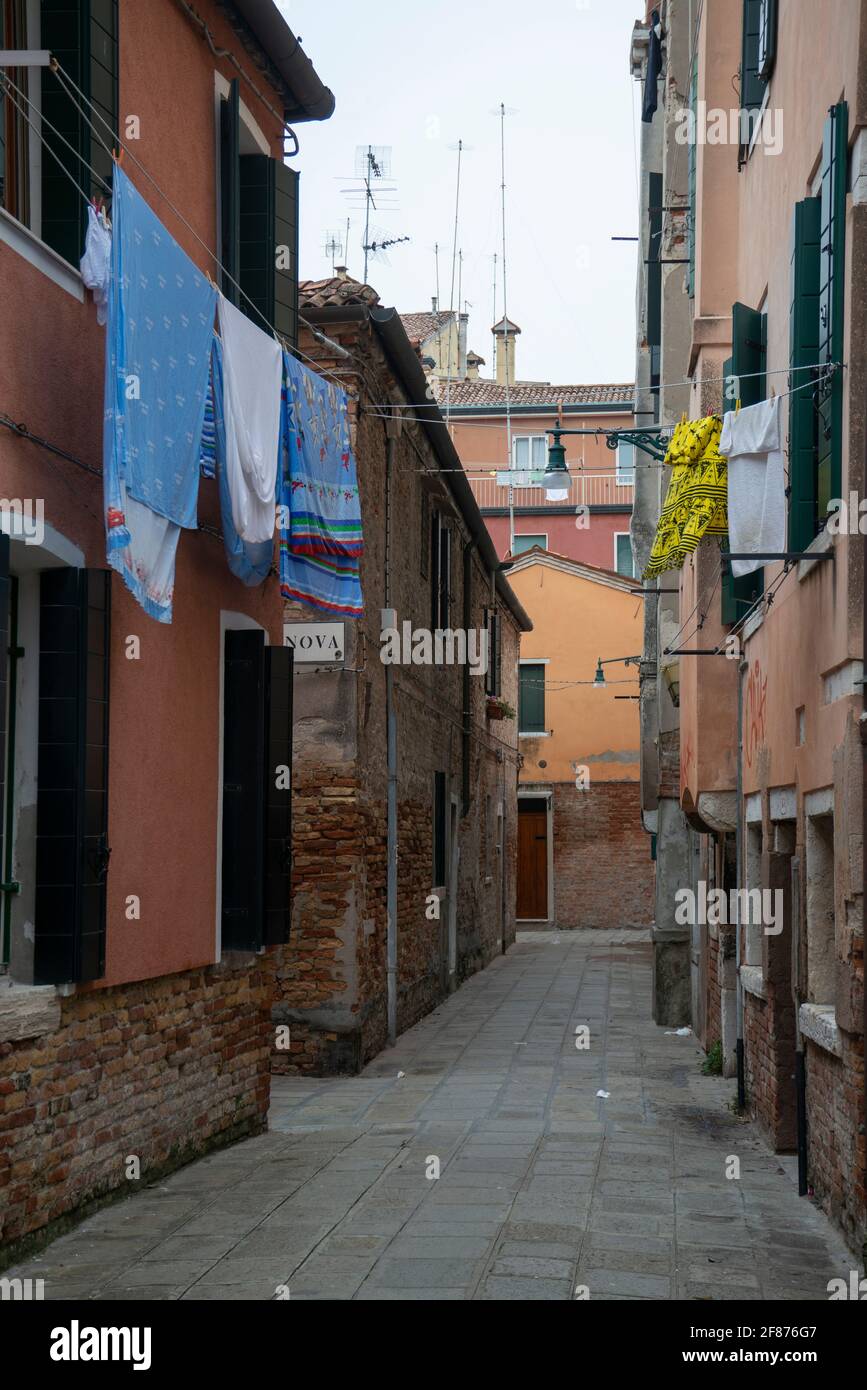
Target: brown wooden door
532, 863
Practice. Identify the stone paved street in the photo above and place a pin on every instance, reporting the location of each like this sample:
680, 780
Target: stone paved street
544, 1185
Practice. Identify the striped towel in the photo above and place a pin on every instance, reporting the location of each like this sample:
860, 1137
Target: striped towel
326, 509
329, 583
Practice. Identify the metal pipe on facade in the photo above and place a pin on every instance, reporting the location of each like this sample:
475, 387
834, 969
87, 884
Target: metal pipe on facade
391, 764
739, 854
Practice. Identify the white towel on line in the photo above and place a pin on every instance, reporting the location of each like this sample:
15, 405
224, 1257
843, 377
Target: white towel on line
752, 442
252, 380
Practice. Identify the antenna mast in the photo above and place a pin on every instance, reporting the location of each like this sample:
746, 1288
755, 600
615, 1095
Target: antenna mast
505, 335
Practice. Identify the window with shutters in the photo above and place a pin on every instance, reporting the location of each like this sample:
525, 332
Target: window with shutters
531, 698
37, 182
691, 211
758, 52
256, 831
744, 380
440, 571
832, 251
258, 225
439, 830
803, 353
623, 554
494, 673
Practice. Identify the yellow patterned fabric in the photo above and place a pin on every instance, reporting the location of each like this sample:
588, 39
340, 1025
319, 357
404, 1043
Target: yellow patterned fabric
696, 502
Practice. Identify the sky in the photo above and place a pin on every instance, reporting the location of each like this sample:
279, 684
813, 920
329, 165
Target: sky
418, 78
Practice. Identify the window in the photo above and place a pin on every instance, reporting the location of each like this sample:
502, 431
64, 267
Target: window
531, 698
440, 571
494, 673
653, 327
803, 350
744, 380
758, 47
439, 830
257, 792
690, 182
832, 252
623, 554
82, 34
258, 225
624, 475
527, 541
530, 451
821, 963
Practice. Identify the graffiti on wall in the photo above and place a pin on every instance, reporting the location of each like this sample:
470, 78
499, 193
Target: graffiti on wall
755, 711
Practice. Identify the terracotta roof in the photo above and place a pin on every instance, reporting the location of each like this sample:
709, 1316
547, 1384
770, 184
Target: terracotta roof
420, 326
335, 292
537, 554
480, 393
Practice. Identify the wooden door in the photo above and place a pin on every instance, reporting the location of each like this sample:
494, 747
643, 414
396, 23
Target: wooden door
532, 862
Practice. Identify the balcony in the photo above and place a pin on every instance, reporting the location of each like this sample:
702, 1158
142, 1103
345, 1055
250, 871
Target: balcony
589, 489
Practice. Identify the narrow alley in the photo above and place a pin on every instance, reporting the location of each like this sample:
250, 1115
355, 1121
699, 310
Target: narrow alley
548, 1188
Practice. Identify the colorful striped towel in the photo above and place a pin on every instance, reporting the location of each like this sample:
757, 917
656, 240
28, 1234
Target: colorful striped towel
329, 583
326, 509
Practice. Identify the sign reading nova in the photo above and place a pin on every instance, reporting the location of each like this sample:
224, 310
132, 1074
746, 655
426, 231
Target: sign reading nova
315, 642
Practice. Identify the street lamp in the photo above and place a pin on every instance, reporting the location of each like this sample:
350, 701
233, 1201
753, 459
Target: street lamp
556, 480
599, 678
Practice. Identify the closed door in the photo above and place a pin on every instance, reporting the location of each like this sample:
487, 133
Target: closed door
532, 861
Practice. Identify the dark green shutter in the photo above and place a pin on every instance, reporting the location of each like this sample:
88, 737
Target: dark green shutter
268, 256
654, 267
803, 352
531, 700
243, 800
83, 36
230, 191
831, 301
690, 181
72, 776
752, 85
767, 48
744, 378
278, 800
439, 830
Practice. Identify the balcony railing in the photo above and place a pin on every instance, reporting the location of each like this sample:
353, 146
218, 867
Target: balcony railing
587, 489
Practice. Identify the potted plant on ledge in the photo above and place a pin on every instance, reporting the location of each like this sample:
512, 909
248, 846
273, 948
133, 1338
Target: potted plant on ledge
497, 708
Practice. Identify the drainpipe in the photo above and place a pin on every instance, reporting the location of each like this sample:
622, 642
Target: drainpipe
739, 847
391, 763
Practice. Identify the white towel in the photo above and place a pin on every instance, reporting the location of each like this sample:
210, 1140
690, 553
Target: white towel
752, 443
252, 379
95, 264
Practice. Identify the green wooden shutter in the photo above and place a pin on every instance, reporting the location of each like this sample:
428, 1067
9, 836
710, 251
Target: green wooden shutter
653, 328
752, 85
831, 302
744, 379
72, 776
531, 700
243, 799
230, 191
803, 351
690, 178
83, 36
278, 798
268, 247
767, 47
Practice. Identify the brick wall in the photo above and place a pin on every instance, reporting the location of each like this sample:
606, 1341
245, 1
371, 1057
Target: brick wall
603, 873
835, 1134
331, 986
162, 1070
769, 1067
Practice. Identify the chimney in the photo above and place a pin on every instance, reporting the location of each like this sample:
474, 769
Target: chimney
474, 361
505, 333
341, 272
433, 302
463, 321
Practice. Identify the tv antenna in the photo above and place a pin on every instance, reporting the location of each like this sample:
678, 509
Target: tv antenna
333, 248
372, 165
377, 248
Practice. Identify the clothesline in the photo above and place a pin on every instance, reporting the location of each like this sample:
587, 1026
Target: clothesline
60, 73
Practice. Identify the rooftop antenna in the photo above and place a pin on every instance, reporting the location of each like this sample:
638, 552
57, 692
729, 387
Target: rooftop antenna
376, 248
459, 147
333, 248
502, 111
437, 266
494, 319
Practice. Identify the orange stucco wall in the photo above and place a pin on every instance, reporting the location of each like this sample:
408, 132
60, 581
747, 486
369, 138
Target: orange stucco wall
575, 622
